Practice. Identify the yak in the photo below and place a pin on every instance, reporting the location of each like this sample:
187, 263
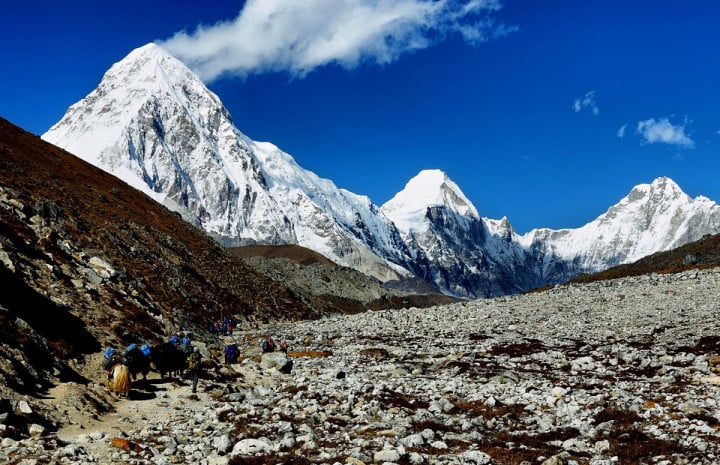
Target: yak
166, 358
137, 362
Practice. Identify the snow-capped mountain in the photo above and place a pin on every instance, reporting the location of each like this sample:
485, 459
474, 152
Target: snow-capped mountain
152, 123
651, 218
473, 256
467, 255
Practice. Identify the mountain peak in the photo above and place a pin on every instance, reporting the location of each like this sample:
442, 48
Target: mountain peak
148, 50
154, 124
430, 188
149, 65
136, 92
151, 47
661, 188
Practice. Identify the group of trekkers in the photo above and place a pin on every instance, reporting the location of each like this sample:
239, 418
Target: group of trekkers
232, 351
175, 356
269, 345
223, 327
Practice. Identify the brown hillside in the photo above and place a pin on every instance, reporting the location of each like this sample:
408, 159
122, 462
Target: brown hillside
87, 261
299, 254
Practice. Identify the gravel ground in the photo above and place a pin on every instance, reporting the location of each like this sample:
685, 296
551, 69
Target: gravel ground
615, 372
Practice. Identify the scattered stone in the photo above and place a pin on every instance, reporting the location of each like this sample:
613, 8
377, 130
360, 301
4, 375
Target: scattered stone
36, 430
24, 408
582, 372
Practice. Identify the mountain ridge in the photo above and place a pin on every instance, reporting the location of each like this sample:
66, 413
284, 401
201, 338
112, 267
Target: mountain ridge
238, 190
246, 192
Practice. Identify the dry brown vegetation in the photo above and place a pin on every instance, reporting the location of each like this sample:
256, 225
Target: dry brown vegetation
56, 213
302, 255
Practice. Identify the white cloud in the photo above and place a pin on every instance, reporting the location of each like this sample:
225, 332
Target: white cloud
587, 101
299, 36
664, 132
621, 131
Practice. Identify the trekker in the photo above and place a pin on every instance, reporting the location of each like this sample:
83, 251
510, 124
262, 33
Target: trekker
268, 346
232, 352
194, 367
111, 359
284, 347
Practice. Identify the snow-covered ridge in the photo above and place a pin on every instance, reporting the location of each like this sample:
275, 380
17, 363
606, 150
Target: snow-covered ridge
152, 123
651, 218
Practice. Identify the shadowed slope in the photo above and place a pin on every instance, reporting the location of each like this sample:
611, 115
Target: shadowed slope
297, 253
88, 261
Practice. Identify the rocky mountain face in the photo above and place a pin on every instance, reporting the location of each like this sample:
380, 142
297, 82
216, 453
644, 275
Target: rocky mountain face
479, 257
152, 123
341, 289
651, 218
467, 255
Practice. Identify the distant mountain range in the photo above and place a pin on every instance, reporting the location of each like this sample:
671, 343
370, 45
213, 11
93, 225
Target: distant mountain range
152, 123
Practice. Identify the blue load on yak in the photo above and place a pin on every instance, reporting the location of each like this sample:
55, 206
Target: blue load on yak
145, 349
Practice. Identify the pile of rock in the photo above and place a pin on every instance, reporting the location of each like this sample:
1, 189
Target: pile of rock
611, 372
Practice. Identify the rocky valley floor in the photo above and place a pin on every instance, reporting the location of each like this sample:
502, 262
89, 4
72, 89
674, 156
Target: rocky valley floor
614, 372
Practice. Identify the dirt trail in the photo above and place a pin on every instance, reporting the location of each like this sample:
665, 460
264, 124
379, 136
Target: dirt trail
149, 401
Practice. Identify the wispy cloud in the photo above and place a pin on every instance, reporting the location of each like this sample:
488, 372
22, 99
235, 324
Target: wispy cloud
621, 131
664, 132
298, 36
586, 102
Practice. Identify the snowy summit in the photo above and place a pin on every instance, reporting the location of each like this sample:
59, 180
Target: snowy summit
430, 188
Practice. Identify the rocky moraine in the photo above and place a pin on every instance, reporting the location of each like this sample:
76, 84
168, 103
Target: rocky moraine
613, 372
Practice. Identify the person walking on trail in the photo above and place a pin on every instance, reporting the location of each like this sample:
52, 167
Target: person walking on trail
194, 367
232, 352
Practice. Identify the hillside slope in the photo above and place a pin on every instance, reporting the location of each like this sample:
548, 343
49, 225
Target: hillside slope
341, 289
88, 261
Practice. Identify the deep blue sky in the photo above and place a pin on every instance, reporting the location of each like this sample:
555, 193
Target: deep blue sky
498, 116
